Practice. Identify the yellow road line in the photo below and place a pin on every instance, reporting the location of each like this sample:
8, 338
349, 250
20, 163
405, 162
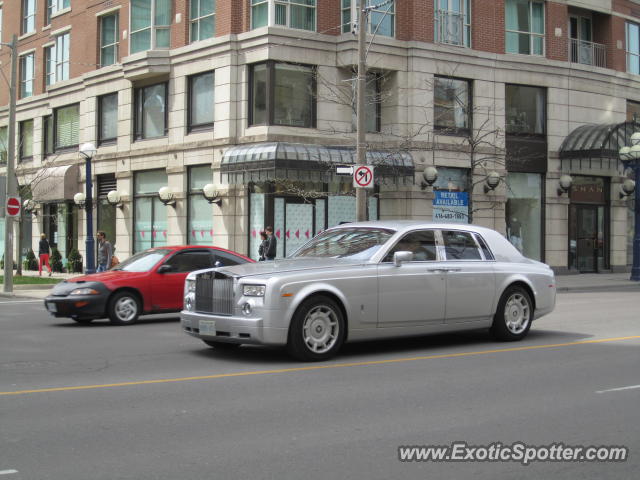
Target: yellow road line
319, 367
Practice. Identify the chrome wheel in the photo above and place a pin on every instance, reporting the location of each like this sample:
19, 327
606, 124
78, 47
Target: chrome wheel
124, 308
320, 329
517, 313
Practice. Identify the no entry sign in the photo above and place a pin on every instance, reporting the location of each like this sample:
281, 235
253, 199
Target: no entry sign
363, 176
13, 206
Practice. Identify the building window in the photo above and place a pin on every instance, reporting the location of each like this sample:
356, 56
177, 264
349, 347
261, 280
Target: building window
28, 16
201, 101
150, 215
282, 94
452, 105
633, 47
108, 119
66, 127
381, 18
633, 111
299, 14
150, 24
259, 13
151, 111
25, 134
453, 22
200, 212
56, 60
526, 110
3, 145
26, 75
55, 6
525, 27
49, 65
524, 213
203, 19
47, 135
108, 40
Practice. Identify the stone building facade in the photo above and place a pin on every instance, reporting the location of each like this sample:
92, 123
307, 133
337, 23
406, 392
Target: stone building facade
256, 98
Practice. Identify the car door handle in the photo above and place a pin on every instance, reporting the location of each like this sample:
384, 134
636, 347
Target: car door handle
438, 270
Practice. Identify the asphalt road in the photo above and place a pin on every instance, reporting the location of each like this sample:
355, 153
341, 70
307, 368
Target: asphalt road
148, 402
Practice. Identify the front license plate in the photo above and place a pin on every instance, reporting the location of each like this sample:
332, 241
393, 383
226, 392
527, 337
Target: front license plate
207, 327
52, 307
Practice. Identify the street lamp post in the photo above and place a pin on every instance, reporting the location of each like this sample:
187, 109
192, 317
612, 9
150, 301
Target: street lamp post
88, 150
630, 157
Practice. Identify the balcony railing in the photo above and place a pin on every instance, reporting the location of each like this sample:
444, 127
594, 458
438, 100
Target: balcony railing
449, 27
588, 53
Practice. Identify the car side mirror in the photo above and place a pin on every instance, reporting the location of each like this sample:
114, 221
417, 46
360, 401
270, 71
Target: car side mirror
401, 257
165, 268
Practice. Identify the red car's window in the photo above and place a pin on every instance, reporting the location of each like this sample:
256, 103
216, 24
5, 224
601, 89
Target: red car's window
189, 261
143, 261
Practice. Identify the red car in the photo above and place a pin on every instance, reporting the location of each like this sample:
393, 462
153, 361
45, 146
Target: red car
149, 282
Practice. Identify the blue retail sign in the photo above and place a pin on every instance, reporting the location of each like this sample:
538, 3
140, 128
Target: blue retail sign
450, 207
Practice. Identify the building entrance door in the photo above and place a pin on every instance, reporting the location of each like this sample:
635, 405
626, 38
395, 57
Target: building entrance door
587, 238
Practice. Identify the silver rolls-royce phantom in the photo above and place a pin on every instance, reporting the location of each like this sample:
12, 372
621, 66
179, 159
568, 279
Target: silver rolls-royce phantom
371, 280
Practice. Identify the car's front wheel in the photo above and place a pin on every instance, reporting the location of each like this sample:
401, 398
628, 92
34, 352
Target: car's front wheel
317, 330
514, 315
124, 308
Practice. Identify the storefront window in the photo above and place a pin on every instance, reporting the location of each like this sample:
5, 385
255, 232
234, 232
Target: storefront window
200, 223
524, 213
150, 215
451, 199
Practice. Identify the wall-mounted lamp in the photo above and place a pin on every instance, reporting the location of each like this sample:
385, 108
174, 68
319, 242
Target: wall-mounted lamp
166, 196
429, 177
30, 207
491, 182
564, 184
627, 188
114, 198
80, 199
210, 193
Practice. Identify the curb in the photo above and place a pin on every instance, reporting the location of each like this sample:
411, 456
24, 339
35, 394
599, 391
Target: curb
598, 288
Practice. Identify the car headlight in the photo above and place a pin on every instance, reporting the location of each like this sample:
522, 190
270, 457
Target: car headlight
253, 290
84, 291
189, 286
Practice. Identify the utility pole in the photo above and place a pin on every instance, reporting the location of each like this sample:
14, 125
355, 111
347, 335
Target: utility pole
361, 146
11, 158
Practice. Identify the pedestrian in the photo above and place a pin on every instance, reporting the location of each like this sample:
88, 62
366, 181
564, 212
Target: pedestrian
104, 252
272, 242
43, 254
264, 244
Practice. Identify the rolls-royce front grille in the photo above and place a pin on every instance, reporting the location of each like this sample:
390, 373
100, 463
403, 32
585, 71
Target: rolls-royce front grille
214, 293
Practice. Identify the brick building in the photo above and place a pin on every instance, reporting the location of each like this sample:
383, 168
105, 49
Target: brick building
256, 98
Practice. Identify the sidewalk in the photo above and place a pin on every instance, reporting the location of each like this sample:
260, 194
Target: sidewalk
586, 282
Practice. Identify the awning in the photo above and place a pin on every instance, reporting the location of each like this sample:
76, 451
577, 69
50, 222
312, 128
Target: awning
294, 161
55, 184
596, 146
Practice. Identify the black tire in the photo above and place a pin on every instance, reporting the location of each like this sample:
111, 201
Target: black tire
221, 345
317, 330
514, 315
83, 321
124, 308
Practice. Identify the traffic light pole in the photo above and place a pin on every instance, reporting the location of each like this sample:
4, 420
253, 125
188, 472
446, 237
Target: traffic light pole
11, 157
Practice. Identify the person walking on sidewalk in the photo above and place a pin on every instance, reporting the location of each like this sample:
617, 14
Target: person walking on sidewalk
271, 247
43, 254
104, 252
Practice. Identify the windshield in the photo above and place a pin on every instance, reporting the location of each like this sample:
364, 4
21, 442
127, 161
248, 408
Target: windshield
143, 261
355, 243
